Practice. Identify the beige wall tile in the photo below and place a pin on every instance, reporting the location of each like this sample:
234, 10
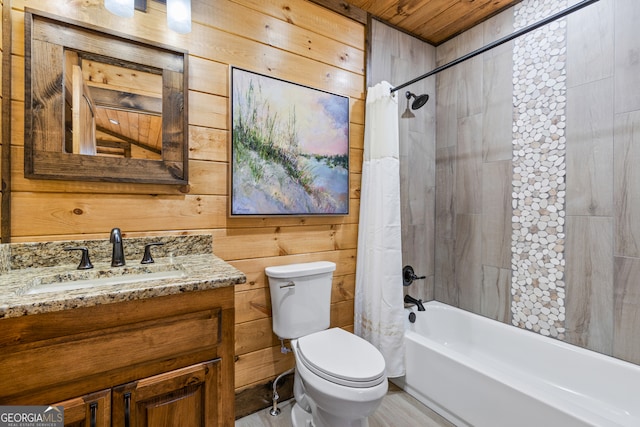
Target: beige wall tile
446, 287
496, 214
447, 109
590, 46
627, 184
469, 81
589, 149
589, 282
495, 28
468, 265
495, 299
626, 344
627, 55
469, 166
497, 123
445, 194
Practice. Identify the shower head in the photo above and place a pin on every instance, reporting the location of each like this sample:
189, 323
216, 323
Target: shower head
418, 100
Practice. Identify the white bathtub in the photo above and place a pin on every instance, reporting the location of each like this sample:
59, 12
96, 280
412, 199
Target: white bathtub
479, 372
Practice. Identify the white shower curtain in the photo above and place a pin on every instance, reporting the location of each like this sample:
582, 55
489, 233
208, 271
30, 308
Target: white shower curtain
379, 309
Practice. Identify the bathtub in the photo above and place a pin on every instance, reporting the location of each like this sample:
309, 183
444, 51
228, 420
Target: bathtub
479, 372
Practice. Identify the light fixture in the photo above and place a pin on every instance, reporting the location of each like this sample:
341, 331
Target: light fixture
122, 8
179, 15
178, 11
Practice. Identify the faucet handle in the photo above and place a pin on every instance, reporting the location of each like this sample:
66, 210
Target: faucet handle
85, 262
408, 275
146, 258
115, 236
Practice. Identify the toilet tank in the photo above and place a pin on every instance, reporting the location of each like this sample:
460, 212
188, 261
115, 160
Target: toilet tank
300, 297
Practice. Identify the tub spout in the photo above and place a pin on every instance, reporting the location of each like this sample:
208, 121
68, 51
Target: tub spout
411, 300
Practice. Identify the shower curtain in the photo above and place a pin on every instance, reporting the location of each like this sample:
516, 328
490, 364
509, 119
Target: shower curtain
379, 308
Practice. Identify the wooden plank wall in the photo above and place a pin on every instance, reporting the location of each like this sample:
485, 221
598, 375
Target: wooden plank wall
5, 138
294, 40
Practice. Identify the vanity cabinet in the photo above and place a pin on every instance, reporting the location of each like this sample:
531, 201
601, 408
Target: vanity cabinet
91, 410
177, 398
166, 360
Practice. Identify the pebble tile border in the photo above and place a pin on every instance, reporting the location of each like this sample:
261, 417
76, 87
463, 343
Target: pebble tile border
539, 102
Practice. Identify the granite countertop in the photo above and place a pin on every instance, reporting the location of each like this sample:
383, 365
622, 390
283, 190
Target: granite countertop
194, 272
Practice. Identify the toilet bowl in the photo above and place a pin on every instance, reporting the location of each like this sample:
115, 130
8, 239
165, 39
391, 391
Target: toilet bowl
340, 378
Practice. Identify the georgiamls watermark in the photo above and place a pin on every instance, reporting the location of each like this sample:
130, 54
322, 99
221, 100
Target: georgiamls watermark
31, 416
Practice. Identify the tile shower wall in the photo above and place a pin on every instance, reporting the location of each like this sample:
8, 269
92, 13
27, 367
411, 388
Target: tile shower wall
589, 274
397, 57
474, 172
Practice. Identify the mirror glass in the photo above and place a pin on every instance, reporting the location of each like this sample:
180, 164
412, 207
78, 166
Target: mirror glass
112, 109
102, 107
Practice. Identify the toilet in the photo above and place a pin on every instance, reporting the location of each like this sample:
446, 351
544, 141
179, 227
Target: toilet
339, 377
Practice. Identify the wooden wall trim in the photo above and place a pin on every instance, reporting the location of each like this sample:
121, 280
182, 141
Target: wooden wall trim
5, 166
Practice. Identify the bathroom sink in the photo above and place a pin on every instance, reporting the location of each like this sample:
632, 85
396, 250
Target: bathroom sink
97, 278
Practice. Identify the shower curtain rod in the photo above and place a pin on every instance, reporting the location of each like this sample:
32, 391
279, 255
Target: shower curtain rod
498, 42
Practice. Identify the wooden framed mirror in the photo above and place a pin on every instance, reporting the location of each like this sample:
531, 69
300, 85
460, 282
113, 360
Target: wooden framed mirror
102, 107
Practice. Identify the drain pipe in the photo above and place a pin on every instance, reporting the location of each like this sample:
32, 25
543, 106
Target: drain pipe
275, 410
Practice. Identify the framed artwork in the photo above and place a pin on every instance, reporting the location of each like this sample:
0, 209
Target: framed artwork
289, 148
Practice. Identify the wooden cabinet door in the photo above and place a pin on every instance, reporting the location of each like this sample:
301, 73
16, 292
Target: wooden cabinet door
91, 410
185, 397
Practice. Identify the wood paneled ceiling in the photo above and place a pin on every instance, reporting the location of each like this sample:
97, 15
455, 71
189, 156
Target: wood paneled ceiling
434, 21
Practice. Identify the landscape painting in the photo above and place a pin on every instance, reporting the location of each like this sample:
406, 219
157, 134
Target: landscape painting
290, 148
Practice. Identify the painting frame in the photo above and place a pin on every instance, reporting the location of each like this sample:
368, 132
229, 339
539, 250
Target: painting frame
289, 148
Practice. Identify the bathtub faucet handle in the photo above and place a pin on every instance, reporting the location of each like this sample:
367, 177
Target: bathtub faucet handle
408, 275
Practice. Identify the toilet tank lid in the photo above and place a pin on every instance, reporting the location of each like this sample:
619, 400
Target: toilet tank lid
299, 270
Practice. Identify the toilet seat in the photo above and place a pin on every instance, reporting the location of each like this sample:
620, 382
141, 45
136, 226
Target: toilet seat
342, 358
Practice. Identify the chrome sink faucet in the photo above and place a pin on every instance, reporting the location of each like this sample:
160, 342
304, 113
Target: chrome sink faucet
117, 255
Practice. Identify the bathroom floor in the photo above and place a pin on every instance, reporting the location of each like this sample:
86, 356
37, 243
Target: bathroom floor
398, 409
